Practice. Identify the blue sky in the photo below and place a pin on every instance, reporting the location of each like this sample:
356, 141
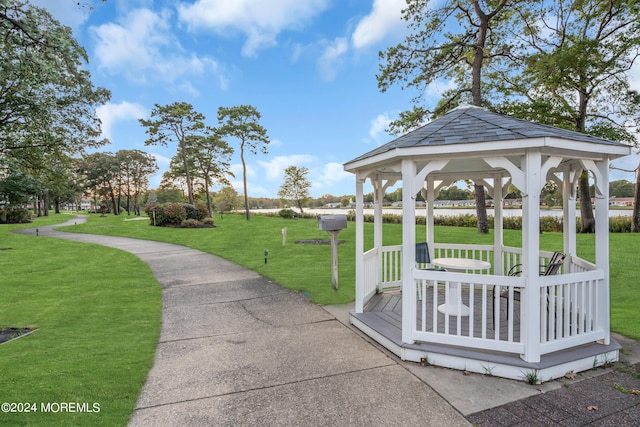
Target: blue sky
308, 66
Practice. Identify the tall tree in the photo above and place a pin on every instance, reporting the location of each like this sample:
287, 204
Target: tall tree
455, 41
295, 187
175, 122
242, 122
227, 199
102, 173
212, 158
62, 182
574, 58
47, 100
135, 169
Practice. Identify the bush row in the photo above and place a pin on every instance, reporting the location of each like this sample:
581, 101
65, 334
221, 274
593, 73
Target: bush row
618, 224
178, 215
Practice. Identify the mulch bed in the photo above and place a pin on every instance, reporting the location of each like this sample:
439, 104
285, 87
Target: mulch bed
8, 333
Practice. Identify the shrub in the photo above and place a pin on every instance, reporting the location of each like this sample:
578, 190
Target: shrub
549, 223
173, 214
287, 213
15, 216
620, 224
208, 221
202, 211
150, 208
190, 223
191, 211
155, 213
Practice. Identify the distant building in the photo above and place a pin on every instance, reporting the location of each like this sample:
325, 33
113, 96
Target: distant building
621, 201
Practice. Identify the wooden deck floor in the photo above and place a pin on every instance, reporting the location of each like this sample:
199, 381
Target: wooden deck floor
387, 307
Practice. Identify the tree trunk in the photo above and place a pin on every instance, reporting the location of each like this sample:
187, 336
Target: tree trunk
476, 93
206, 190
481, 209
635, 219
114, 202
186, 172
244, 183
586, 211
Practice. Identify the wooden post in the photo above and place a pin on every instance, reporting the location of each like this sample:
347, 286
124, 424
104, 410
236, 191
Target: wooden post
334, 258
284, 236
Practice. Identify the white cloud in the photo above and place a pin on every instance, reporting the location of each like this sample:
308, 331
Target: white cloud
252, 189
329, 60
236, 168
260, 21
378, 128
276, 166
142, 47
385, 18
163, 161
438, 87
332, 173
110, 113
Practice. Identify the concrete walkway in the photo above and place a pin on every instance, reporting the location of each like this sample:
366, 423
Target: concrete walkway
237, 349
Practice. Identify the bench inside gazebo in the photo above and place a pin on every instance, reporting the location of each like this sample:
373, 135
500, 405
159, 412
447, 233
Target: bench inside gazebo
474, 315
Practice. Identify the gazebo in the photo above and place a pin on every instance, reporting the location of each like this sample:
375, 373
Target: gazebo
474, 315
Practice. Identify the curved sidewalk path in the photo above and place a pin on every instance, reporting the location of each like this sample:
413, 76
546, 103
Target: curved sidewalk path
238, 349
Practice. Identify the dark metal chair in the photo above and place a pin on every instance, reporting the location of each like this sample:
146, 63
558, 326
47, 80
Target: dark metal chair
553, 267
423, 260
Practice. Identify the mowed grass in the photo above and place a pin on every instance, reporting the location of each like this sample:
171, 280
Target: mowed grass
97, 312
307, 268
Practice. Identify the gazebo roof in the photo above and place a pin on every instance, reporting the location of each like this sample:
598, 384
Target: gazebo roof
469, 125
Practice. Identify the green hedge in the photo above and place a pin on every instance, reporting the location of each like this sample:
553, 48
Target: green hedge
618, 224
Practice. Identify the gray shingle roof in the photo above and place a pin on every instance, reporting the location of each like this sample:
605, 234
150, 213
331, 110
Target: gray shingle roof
469, 124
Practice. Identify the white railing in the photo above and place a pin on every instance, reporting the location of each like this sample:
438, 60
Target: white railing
391, 267
481, 327
569, 307
370, 274
568, 301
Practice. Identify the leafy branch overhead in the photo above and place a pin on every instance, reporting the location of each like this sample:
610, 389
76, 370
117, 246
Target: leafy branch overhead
47, 99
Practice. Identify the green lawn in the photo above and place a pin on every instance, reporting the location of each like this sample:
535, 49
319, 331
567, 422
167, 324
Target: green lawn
97, 327
307, 268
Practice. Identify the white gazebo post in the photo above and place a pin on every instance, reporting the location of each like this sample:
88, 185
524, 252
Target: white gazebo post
378, 197
408, 250
530, 310
602, 242
498, 233
429, 220
569, 177
359, 306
